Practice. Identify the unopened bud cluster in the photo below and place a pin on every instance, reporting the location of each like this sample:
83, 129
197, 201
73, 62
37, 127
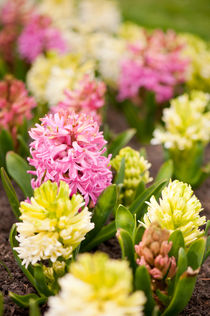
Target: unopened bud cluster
153, 251
136, 170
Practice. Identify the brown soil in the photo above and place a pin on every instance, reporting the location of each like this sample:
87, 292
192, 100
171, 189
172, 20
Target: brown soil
15, 280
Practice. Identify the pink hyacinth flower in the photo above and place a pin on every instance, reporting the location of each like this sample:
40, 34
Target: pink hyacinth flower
157, 67
69, 147
15, 104
88, 98
39, 36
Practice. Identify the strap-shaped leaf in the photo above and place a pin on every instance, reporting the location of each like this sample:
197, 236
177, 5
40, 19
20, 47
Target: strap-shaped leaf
138, 207
127, 247
125, 220
163, 297
34, 308
181, 268
143, 283
140, 189
106, 233
195, 253
139, 234
24, 300
17, 168
166, 171
120, 141
182, 295
104, 207
207, 227
10, 192
121, 173
178, 242
24, 148
14, 243
1, 304
40, 281
6, 144
207, 250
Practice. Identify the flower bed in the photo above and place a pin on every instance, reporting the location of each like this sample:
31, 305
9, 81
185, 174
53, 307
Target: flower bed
101, 227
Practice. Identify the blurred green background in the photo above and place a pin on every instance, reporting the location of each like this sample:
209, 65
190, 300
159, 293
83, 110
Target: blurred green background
181, 15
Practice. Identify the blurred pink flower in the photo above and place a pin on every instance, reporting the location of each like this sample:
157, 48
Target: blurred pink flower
13, 16
15, 12
69, 147
39, 36
156, 66
88, 98
15, 104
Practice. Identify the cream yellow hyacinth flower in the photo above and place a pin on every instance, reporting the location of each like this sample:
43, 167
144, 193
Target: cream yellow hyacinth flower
198, 53
186, 122
50, 75
95, 15
62, 12
97, 286
178, 209
52, 224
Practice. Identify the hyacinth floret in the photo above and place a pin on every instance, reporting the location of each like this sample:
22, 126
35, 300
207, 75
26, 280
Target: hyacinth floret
136, 170
53, 224
39, 36
70, 147
15, 104
187, 121
88, 98
97, 286
178, 209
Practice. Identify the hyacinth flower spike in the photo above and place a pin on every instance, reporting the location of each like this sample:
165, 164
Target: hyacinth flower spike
97, 286
186, 134
46, 240
69, 147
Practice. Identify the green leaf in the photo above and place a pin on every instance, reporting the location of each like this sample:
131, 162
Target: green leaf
207, 227
104, 207
127, 247
178, 241
11, 194
14, 243
143, 283
139, 234
24, 148
40, 281
120, 141
181, 264
182, 294
24, 300
1, 304
6, 145
162, 297
125, 220
195, 253
138, 207
121, 173
181, 268
34, 308
166, 171
17, 168
106, 233
207, 250
140, 189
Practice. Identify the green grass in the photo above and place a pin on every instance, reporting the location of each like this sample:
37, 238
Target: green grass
181, 15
